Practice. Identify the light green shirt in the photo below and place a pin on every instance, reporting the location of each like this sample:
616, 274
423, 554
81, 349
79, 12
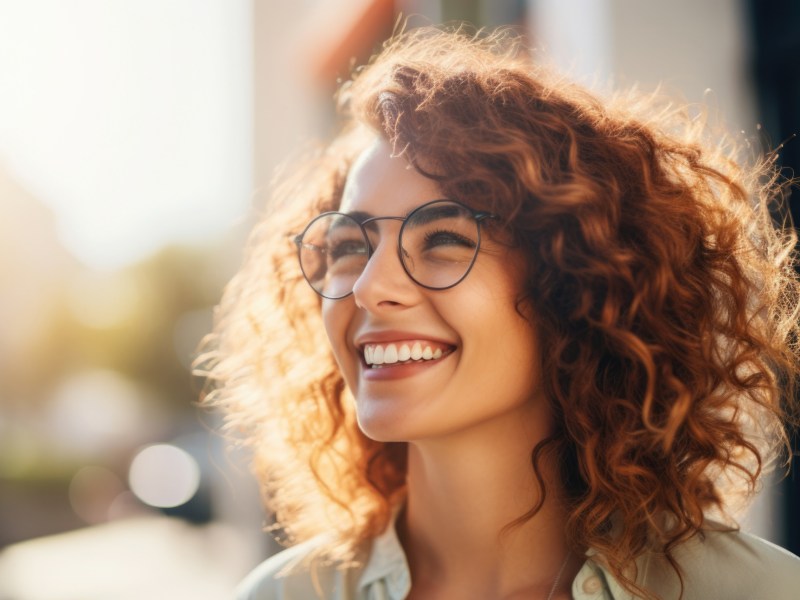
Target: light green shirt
724, 566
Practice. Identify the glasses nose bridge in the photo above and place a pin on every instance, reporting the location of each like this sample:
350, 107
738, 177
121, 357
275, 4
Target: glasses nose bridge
373, 276
366, 222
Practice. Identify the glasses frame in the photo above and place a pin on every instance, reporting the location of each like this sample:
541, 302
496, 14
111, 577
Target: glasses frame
477, 215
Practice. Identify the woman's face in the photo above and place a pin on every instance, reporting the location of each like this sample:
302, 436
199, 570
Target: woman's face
487, 365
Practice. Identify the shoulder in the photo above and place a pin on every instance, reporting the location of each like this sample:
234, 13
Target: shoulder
298, 573
727, 564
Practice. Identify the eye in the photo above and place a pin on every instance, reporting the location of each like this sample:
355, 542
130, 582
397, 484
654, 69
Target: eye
338, 249
443, 237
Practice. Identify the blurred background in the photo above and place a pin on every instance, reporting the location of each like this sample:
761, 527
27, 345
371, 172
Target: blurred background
136, 138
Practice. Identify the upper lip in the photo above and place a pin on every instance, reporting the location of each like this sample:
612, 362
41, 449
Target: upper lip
394, 335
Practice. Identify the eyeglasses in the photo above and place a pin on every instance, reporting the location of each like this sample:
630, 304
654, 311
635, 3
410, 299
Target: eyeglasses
437, 245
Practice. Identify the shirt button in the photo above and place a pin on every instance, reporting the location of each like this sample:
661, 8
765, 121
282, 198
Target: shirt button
592, 585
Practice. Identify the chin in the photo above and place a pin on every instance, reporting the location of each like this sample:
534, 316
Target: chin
384, 423
383, 428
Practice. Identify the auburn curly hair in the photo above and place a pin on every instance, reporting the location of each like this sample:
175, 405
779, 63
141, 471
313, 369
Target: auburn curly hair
664, 293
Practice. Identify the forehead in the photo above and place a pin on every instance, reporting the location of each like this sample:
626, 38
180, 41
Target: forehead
381, 183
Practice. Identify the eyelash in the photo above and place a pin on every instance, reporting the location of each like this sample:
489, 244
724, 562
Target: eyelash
429, 237
336, 250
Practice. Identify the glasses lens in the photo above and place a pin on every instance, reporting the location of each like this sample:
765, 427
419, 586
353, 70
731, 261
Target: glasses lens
440, 241
333, 253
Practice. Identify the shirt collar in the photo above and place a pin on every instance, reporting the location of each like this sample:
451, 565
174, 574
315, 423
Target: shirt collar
387, 562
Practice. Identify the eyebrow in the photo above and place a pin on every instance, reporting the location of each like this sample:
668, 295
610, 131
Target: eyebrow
437, 212
345, 223
360, 215
426, 216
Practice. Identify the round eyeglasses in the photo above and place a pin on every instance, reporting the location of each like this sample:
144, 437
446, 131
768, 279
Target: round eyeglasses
437, 245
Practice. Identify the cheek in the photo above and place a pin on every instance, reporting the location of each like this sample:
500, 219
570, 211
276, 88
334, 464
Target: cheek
332, 318
510, 325
337, 316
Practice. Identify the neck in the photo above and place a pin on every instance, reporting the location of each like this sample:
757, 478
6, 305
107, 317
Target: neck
463, 492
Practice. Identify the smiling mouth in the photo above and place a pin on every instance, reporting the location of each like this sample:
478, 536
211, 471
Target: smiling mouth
378, 356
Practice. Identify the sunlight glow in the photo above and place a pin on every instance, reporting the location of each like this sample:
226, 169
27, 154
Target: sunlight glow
130, 120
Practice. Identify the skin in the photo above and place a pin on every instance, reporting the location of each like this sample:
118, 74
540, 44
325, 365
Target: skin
470, 418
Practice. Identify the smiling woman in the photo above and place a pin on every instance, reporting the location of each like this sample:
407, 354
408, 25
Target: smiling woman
454, 323
536, 344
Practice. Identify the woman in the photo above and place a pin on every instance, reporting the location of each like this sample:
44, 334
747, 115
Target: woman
535, 347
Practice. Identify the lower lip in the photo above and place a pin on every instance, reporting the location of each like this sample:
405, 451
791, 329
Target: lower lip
399, 371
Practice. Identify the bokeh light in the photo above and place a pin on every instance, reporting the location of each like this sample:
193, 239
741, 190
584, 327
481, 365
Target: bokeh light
164, 476
95, 411
92, 491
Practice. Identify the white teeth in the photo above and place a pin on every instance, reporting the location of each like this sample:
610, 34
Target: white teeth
377, 354
390, 354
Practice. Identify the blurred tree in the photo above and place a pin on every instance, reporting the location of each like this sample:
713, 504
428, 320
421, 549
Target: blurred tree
92, 364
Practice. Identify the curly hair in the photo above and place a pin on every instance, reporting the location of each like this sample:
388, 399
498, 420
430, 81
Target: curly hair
658, 282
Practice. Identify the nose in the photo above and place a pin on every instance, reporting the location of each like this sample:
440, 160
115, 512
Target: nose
384, 284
